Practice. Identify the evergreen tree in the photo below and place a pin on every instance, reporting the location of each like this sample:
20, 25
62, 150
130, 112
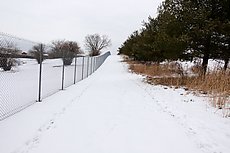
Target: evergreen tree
183, 30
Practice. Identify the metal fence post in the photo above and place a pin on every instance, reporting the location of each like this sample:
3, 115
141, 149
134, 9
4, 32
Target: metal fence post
40, 74
91, 63
88, 66
95, 63
75, 70
63, 71
83, 62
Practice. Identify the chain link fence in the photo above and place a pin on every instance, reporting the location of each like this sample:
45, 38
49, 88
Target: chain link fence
26, 78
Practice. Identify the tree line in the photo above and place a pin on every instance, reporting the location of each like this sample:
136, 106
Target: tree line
67, 50
183, 30
64, 49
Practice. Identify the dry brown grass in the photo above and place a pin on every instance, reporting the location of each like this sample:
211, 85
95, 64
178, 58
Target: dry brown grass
216, 84
157, 70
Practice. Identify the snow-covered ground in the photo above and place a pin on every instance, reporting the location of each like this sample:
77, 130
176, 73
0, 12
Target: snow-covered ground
187, 66
19, 87
114, 111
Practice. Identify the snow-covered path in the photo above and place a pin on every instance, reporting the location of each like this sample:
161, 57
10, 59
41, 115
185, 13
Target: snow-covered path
106, 113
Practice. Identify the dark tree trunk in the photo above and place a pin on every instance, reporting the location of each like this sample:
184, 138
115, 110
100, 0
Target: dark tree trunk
205, 63
226, 61
206, 55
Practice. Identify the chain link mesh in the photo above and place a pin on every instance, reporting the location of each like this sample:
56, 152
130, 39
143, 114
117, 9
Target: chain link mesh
20, 73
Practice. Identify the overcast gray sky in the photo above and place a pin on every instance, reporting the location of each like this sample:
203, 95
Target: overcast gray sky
47, 20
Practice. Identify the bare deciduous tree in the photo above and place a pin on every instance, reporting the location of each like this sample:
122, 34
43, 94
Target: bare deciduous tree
95, 43
7, 50
66, 50
36, 51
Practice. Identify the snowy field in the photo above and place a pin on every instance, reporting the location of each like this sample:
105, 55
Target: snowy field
114, 111
19, 87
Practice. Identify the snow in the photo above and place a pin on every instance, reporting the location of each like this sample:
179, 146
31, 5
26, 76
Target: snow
187, 66
212, 64
115, 111
24, 79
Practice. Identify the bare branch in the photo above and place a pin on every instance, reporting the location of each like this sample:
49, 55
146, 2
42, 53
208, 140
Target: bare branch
95, 43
